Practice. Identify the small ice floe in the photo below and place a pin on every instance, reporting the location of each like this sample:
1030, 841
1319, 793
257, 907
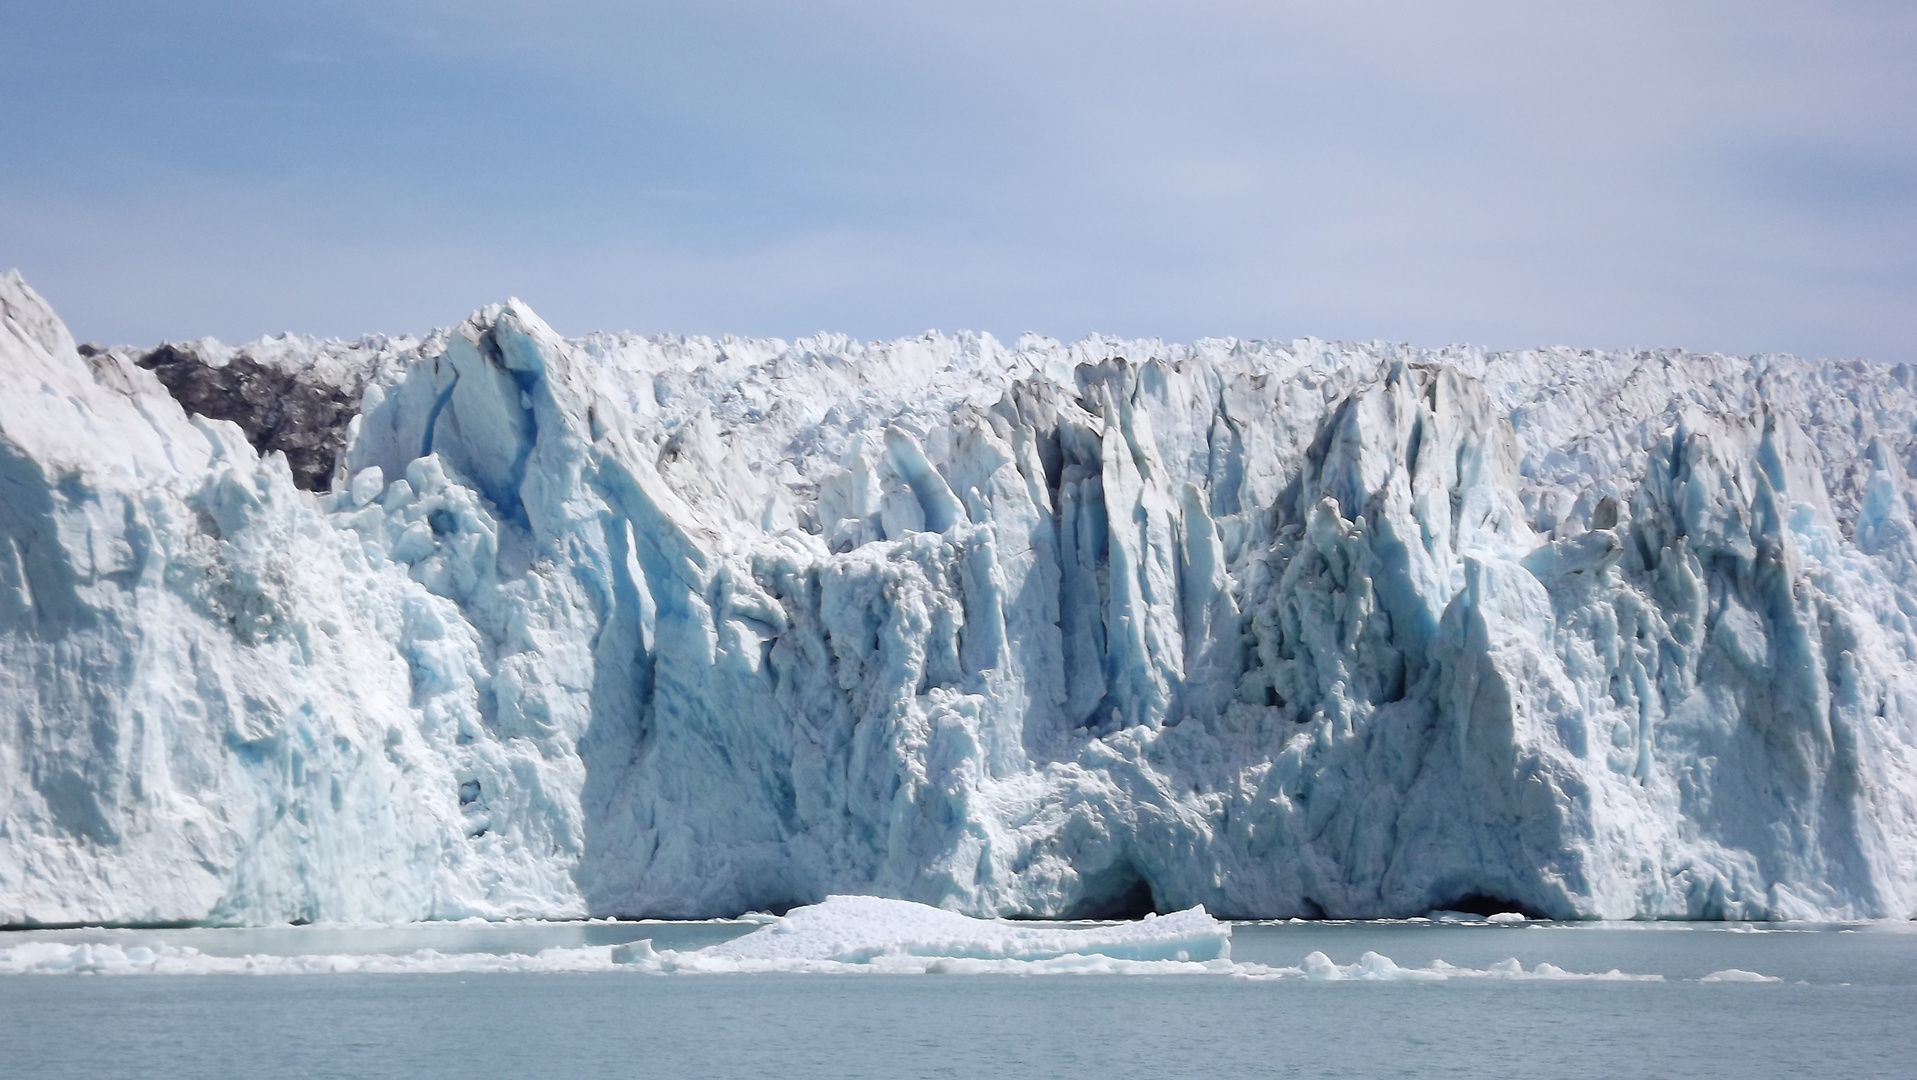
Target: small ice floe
1738, 975
1375, 967
843, 935
1502, 918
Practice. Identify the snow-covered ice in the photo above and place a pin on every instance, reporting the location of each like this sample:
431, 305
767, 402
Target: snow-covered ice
1738, 975
498, 623
853, 929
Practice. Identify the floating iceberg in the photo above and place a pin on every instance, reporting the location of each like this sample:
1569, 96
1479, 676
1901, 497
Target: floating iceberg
1738, 975
844, 935
496, 623
854, 929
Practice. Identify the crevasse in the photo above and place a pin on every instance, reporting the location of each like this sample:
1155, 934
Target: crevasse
681, 627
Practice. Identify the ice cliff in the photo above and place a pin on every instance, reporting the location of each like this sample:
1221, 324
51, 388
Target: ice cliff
500, 623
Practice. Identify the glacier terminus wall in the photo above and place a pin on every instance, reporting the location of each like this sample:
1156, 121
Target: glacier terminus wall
498, 623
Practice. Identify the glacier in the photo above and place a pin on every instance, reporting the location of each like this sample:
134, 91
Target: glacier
497, 623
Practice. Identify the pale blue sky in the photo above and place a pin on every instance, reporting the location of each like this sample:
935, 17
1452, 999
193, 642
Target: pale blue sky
1733, 176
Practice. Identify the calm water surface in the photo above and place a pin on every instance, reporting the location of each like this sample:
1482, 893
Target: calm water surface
1847, 1006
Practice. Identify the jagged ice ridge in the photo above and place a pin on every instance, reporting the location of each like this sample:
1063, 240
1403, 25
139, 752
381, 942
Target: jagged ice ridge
504, 624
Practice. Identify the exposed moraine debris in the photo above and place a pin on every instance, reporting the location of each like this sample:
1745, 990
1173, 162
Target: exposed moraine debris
302, 417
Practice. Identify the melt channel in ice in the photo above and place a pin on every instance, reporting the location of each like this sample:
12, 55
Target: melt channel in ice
498, 623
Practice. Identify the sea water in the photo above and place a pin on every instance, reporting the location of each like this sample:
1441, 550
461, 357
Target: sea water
1841, 1003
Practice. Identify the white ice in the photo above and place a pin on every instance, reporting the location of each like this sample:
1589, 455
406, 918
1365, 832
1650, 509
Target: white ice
845, 935
1738, 975
853, 929
688, 627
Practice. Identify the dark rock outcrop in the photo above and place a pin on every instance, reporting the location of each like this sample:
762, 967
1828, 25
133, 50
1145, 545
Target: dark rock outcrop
305, 419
